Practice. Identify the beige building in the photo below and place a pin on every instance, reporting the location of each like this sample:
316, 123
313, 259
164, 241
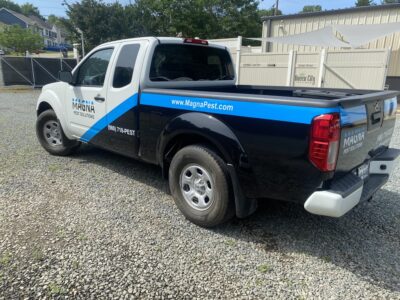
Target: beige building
278, 26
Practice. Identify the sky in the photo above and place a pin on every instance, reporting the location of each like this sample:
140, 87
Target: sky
48, 7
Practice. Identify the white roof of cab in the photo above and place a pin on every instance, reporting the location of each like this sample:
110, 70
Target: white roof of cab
166, 40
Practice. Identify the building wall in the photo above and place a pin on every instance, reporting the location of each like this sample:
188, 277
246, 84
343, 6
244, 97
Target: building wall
306, 24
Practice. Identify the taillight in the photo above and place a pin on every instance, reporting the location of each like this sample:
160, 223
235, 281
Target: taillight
324, 141
195, 41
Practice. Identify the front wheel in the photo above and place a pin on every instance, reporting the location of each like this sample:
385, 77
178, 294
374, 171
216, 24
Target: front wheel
51, 135
199, 184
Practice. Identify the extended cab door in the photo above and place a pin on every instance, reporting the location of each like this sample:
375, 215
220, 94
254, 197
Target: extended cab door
121, 133
122, 114
85, 99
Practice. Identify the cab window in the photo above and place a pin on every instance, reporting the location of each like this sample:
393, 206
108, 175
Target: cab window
125, 65
93, 70
190, 63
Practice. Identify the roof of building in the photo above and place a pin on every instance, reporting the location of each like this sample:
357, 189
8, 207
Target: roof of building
40, 22
31, 20
19, 16
333, 12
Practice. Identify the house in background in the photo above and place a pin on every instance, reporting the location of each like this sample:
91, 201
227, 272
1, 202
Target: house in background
52, 36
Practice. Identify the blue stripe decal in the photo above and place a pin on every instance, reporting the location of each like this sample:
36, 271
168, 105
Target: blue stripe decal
118, 111
278, 112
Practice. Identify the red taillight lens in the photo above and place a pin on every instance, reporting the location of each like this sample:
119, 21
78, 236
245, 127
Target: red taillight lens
324, 141
195, 41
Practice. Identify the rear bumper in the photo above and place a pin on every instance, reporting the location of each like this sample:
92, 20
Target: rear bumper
350, 190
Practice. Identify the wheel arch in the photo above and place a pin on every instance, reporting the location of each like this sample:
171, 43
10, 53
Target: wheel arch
43, 106
198, 128
48, 99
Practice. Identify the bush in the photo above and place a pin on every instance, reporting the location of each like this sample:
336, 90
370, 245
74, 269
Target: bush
20, 39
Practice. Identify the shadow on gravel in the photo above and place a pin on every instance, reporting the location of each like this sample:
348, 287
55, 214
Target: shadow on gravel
365, 242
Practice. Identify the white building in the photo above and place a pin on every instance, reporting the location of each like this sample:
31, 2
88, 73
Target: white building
279, 26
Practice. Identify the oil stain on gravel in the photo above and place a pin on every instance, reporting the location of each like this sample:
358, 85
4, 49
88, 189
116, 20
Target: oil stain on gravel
97, 226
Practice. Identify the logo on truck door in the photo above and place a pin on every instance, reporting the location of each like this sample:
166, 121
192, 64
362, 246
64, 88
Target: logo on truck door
83, 108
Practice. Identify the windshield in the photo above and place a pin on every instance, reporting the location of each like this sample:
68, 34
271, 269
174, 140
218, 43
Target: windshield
190, 63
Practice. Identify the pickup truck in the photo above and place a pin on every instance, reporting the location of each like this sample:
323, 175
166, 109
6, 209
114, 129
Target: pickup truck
173, 102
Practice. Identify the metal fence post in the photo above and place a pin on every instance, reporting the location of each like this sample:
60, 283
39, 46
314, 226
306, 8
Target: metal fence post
33, 73
291, 68
322, 68
238, 57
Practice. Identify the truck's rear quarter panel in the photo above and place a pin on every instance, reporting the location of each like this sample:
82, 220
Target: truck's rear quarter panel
276, 145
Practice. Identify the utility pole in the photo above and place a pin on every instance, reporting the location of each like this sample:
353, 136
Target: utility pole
276, 8
82, 43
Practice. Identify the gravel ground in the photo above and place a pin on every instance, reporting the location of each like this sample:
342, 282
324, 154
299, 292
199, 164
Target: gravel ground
96, 225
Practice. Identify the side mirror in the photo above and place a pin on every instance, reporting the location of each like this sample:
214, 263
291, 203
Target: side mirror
65, 76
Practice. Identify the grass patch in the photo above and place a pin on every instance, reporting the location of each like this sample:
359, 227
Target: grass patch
264, 268
82, 237
230, 242
37, 254
327, 259
61, 234
75, 264
5, 259
53, 168
56, 289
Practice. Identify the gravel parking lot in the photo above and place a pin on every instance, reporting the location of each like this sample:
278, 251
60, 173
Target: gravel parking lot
96, 225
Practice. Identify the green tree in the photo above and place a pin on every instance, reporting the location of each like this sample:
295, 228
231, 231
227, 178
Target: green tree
20, 39
101, 22
390, 1
203, 18
54, 20
268, 12
364, 3
29, 9
311, 8
10, 5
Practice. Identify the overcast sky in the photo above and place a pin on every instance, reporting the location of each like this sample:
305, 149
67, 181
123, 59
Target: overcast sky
48, 7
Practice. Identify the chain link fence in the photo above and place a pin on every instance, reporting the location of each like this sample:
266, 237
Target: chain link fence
33, 71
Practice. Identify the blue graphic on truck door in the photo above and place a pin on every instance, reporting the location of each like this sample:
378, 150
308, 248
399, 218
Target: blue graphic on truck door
113, 115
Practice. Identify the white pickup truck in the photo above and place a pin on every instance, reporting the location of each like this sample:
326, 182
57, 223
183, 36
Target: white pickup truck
173, 102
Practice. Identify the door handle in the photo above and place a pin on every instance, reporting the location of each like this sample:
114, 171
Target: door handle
98, 98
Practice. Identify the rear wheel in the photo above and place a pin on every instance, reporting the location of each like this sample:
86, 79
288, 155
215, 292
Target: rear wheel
51, 135
199, 184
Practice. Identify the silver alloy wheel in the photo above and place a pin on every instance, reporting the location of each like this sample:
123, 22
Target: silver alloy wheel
52, 133
196, 186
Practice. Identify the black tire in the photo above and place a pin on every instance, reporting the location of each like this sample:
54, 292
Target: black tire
66, 147
221, 208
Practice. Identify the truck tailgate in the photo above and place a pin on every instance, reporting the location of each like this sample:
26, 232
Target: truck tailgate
366, 130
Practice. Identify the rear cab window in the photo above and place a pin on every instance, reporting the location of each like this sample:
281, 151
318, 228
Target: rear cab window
125, 65
177, 62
